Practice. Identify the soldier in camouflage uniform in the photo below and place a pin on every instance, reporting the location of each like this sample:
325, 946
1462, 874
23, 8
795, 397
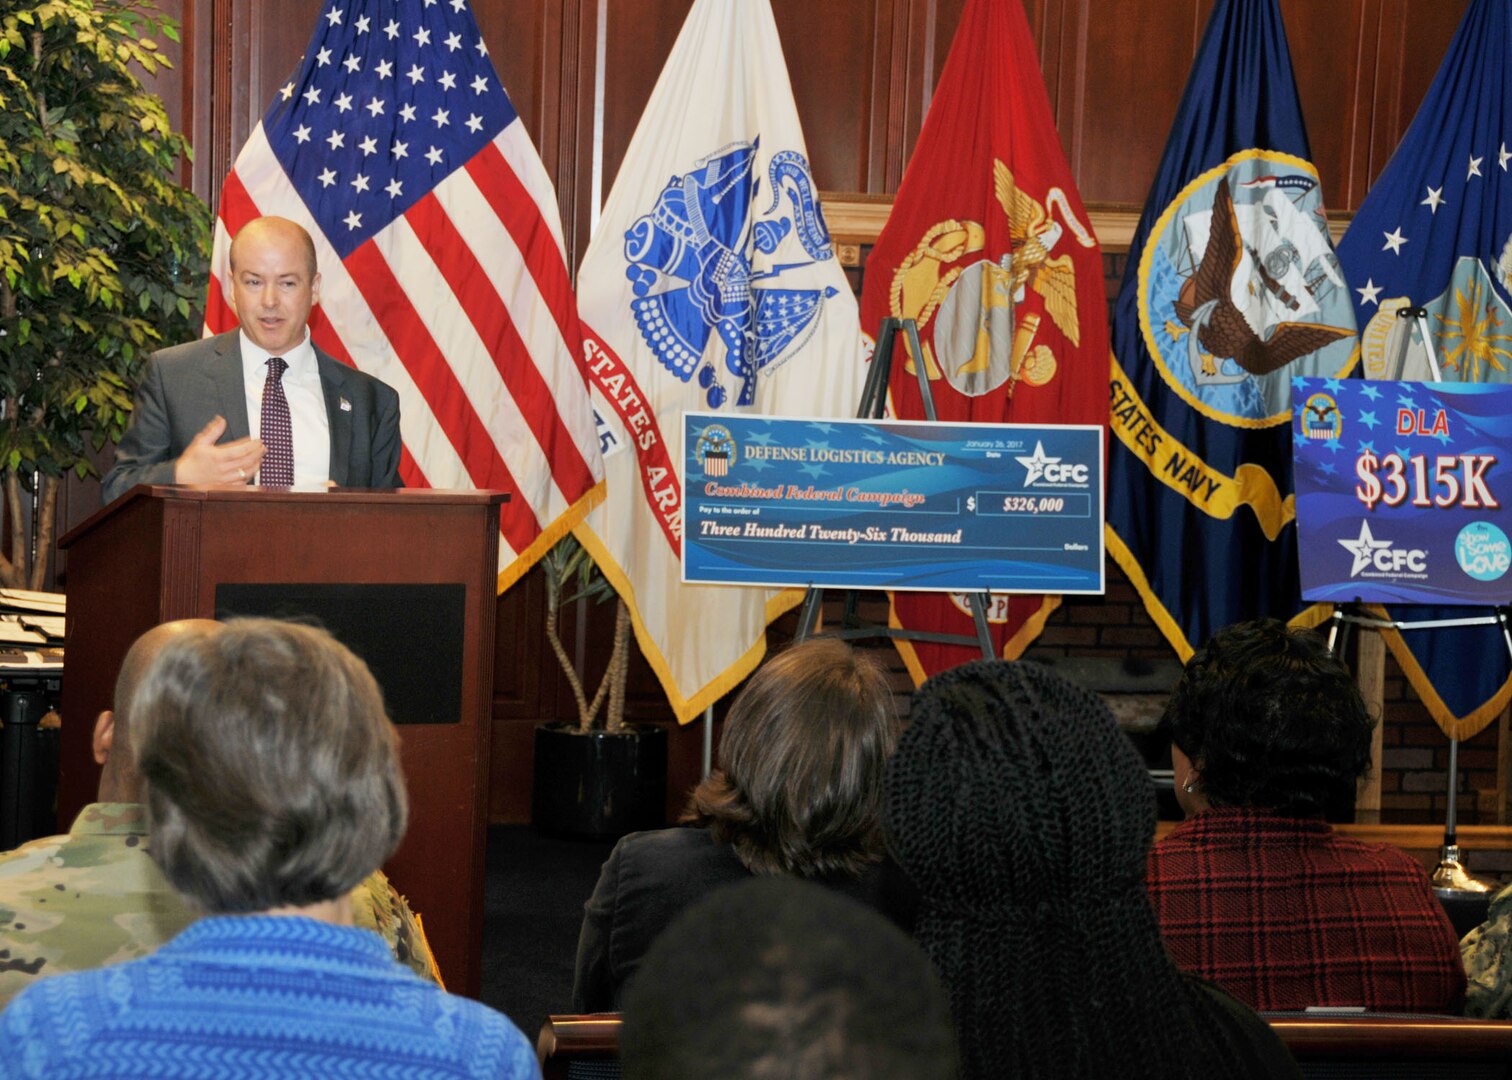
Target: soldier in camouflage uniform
1487, 953
94, 897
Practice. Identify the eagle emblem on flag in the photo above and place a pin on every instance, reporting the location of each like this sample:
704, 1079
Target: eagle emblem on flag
1240, 290
979, 339
695, 264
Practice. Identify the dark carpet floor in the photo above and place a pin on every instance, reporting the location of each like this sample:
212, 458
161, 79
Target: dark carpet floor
532, 908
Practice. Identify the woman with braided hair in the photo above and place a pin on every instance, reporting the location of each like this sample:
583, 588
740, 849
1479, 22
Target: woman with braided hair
1024, 817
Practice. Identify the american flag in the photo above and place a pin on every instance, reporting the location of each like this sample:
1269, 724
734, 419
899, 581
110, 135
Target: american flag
441, 257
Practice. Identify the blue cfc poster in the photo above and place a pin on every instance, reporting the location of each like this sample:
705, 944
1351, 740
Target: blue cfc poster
1400, 491
884, 504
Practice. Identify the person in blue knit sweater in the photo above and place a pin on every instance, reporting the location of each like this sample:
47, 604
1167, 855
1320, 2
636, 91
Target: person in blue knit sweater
273, 788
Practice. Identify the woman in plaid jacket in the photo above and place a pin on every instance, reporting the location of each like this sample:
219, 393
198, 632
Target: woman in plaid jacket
1255, 890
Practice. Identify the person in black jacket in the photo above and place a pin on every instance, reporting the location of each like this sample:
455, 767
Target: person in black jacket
798, 791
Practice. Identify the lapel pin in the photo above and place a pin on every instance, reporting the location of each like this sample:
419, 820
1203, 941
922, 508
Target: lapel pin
346, 406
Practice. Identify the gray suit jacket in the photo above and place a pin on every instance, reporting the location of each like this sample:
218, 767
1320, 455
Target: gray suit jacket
187, 386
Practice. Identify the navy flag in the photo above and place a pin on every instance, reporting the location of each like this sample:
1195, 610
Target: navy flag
1436, 232
1232, 288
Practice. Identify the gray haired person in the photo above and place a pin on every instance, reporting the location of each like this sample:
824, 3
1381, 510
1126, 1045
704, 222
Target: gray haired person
272, 787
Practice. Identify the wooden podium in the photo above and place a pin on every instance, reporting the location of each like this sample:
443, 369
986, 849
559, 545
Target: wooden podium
407, 579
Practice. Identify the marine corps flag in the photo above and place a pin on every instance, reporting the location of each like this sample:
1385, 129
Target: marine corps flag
989, 250
710, 284
1231, 289
1436, 232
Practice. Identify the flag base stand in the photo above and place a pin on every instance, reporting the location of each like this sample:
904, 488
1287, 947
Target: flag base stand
1451, 881
873, 406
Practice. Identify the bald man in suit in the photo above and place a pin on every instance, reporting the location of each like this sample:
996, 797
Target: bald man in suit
191, 422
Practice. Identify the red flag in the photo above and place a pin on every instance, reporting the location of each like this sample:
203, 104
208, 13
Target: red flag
989, 249
440, 251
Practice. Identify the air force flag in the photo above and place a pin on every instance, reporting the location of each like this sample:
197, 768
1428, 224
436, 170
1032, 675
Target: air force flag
1436, 232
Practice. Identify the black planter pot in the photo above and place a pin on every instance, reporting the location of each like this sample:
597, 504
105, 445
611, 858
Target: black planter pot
596, 784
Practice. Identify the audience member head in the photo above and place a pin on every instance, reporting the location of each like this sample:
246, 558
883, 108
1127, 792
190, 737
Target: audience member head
1265, 716
812, 986
1024, 816
271, 769
113, 740
799, 784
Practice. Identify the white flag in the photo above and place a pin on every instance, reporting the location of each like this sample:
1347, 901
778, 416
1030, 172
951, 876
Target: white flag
710, 284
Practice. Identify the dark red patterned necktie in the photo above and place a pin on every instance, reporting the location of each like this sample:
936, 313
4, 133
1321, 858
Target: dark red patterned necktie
277, 469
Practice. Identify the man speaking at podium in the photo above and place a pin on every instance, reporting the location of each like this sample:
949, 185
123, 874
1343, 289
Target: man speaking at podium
260, 404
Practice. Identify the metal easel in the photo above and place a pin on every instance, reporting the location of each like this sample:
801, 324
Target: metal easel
1450, 876
873, 406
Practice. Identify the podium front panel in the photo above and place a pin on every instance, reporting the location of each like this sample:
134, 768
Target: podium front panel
169, 552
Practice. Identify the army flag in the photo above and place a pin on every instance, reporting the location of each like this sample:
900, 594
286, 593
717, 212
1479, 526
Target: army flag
1232, 288
988, 249
710, 284
440, 251
1435, 231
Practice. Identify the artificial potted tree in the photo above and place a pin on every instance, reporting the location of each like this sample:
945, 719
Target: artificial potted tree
103, 255
599, 777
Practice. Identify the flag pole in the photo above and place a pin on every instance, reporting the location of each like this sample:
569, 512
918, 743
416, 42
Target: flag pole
708, 742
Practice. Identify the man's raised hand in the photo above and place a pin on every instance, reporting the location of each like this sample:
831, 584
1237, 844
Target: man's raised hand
227, 465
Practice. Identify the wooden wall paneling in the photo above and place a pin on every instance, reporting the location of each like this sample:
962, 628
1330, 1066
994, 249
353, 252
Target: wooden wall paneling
579, 136
1329, 58
931, 29
1057, 27
1138, 57
638, 38
1346, 190
196, 64
832, 81
884, 147
1362, 71
524, 694
277, 32
1414, 36
521, 45
536, 50
214, 97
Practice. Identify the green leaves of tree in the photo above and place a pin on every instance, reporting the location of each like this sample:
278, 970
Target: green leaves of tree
103, 254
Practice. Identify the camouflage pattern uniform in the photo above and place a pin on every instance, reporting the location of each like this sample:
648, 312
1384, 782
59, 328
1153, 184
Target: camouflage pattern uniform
1487, 953
93, 897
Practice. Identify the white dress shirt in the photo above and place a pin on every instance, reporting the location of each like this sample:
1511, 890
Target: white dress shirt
309, 423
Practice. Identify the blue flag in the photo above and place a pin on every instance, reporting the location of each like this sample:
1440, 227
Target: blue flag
1436, 232
1232, 288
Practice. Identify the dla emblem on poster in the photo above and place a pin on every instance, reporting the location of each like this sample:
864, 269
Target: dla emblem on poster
1401, 489
904, 505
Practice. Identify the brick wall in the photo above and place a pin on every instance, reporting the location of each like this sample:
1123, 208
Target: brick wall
1415, 760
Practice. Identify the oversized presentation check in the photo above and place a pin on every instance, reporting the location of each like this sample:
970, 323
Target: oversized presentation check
1401, 491
892, 504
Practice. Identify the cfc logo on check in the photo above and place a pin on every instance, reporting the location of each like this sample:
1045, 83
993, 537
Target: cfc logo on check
1045, 471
